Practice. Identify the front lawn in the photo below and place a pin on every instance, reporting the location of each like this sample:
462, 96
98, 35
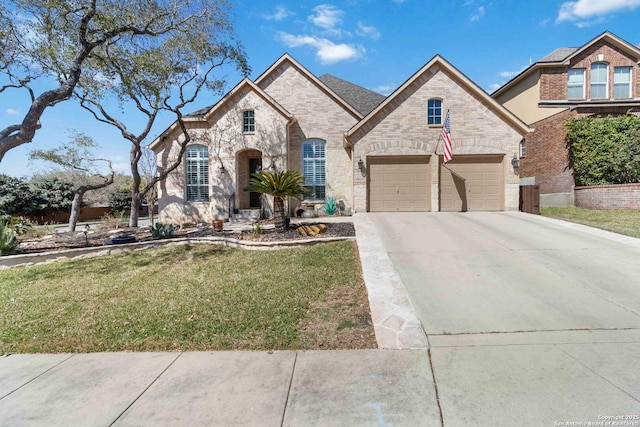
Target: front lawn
199, 297
621, 222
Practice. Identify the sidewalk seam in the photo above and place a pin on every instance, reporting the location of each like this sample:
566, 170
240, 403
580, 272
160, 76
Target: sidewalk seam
145, 390
595, 372
37, 376
286, 402
433, 376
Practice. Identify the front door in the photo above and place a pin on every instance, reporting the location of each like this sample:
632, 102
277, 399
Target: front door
255, 165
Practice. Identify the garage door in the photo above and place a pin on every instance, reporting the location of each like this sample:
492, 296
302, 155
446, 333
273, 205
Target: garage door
399, 184
472, 183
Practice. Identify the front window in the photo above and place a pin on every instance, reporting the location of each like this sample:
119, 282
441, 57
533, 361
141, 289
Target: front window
434, 112
248, 121
314, 167
599, 80
523, 148
622, 82
197, 166
575, 88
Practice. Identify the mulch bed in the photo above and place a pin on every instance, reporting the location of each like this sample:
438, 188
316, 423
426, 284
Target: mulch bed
97, 237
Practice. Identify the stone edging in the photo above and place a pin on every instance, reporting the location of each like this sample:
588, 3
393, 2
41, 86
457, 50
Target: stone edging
395, 321
26, 260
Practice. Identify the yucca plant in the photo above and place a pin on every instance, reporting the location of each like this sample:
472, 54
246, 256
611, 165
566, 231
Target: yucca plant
8, 240
280, 185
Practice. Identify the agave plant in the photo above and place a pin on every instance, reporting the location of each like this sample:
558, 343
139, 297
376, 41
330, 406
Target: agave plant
280, 185
8, 240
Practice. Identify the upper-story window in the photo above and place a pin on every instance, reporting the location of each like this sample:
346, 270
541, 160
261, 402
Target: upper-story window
434, 112
314, 167
197, 167
622, 82
599, 80
575, 89
248, 121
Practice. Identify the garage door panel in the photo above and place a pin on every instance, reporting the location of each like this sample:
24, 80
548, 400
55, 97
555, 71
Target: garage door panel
472, 183
399, 184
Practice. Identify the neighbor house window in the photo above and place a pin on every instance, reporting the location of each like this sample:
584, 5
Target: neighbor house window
197, 166
523, 148
575, 89
248, 121
599, 80
434, 112
622, 82
314, 167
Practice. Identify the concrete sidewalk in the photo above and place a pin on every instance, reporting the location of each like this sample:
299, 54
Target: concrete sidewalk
304, 388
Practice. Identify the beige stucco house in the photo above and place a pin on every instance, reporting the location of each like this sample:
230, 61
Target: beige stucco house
370, 152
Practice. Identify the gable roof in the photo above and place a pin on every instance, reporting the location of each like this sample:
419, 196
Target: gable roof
562, 56
463, 80
203, 114
362, 99
286, 58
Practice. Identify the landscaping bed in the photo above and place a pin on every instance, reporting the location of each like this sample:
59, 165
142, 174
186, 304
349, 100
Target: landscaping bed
99, 237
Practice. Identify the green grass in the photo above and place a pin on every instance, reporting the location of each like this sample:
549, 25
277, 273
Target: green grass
199, 297
622, 222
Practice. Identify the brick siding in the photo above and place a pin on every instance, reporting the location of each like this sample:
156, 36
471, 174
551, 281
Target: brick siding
609, 197
553, 80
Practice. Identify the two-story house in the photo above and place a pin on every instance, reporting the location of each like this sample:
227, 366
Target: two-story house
601, 77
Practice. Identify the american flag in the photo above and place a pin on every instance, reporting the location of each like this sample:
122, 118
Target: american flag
446, 138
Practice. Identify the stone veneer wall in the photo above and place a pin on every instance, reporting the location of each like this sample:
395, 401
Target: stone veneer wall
608, 197
317, 116
402, 129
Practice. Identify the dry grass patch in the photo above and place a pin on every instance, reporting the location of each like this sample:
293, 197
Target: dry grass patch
199, 297
621, 222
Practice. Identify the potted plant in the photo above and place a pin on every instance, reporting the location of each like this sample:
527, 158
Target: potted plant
218, 224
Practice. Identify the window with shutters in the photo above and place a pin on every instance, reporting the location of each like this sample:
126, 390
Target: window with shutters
314, 168
197, 169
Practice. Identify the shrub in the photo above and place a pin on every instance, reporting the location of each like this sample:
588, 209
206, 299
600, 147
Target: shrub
8, 239
163, 231
605, 150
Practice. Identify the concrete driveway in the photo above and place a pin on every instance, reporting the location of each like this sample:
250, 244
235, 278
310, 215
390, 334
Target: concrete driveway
530, 321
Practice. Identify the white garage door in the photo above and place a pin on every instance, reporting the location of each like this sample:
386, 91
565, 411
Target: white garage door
399, 184
472, 183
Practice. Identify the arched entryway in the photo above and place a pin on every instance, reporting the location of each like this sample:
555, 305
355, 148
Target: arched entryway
247, 162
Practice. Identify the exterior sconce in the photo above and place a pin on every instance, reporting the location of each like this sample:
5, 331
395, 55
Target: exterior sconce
515, 162
221, 168
360, 165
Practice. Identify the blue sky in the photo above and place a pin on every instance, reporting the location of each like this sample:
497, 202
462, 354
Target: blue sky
377, 44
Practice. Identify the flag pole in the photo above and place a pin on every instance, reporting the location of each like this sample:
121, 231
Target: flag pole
435, 150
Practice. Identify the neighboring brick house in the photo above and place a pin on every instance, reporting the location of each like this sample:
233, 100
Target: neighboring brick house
602, 77
370, 152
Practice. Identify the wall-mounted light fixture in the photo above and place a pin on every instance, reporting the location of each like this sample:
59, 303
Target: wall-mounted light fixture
221, 168
515, 162
360, 164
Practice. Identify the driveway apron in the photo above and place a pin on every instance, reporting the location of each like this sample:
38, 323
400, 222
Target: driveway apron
530, 321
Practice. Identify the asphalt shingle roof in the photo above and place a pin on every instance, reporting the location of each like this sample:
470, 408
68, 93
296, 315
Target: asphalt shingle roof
363, 100
559, 54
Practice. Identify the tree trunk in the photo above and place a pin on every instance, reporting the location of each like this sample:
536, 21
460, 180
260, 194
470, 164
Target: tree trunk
134, 215
279, 216
76, 205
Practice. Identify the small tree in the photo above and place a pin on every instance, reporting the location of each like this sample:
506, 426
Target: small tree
280, 185
120, 200
76, 158
52, 195
16, 196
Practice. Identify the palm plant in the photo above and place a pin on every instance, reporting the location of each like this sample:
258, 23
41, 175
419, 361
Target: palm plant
280, 185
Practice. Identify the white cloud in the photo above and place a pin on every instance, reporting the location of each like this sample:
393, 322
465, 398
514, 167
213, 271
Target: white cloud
280, 13
327, 17
385, 89
367, 31
12, 112
479, 13
586, 9
508, 74
327, 51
